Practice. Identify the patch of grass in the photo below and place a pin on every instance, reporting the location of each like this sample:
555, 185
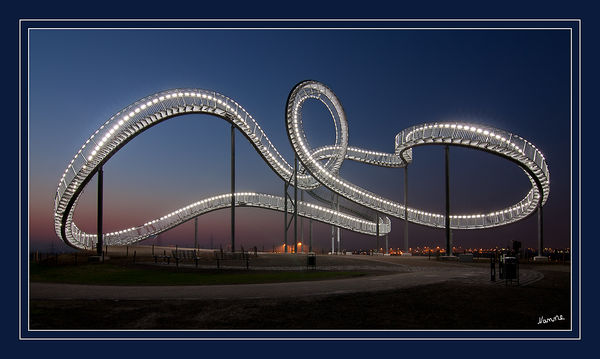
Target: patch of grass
111, 274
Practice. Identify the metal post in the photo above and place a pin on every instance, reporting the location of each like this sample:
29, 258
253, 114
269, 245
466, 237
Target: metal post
301, 221
406, 208
338, 228
448, 239
387, 245
295, 204
332, 227
377, 229
196, 233
540, 230
99, 220
232, 188
339, 240
310, 236
285, 226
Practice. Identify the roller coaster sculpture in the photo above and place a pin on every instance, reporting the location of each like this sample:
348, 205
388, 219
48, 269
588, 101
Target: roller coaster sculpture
318, 173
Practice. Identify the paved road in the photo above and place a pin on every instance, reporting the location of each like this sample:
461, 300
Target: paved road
416, 277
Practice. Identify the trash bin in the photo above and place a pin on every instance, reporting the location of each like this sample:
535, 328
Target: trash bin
510, 268
311, 260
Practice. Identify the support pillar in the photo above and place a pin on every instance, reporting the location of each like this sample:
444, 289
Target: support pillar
377, 232
301, 222
310, 236
232, 188
332, 226
196, 233
448, 237
295, 204
540, 231
332, 239
406, 208
285, 226
99, 243
406, 251
339, 248
540, 257
387, 245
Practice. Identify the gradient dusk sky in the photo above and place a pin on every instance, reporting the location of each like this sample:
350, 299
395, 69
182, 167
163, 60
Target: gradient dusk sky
387, 80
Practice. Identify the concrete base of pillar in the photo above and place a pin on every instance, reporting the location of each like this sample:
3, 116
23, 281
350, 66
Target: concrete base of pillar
406, 254
448, 258
540, 259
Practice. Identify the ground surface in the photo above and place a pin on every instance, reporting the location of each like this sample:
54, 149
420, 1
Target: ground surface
383, 293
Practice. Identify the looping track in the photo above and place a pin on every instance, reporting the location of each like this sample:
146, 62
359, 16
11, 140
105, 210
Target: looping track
320, 166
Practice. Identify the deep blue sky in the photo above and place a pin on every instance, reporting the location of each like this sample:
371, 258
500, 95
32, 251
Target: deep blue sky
387, 80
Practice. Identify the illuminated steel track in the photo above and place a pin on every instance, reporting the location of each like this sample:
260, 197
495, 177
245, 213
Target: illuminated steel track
320, 166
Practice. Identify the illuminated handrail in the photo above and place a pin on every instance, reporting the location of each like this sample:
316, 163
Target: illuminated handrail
248, 199
143, 114
502, 143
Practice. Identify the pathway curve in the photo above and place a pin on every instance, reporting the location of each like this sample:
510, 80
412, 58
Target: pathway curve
416, 276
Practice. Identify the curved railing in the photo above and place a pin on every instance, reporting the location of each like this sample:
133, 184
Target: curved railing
319, 166
242, 199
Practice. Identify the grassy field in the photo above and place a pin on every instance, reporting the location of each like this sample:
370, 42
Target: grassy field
128, 274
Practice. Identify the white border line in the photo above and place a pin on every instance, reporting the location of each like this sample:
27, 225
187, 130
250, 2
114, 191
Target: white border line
19, 224
327, 28
303, 20
299, 28
579, 170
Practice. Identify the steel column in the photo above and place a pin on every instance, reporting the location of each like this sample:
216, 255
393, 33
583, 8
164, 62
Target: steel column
387, 245
196, 233
406, 208
332, 227
540, 230
332, 239
285, 223
338, 228
99, 244
448, 239
310, 236
295, 204
232, 188
377, 229
301, 221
